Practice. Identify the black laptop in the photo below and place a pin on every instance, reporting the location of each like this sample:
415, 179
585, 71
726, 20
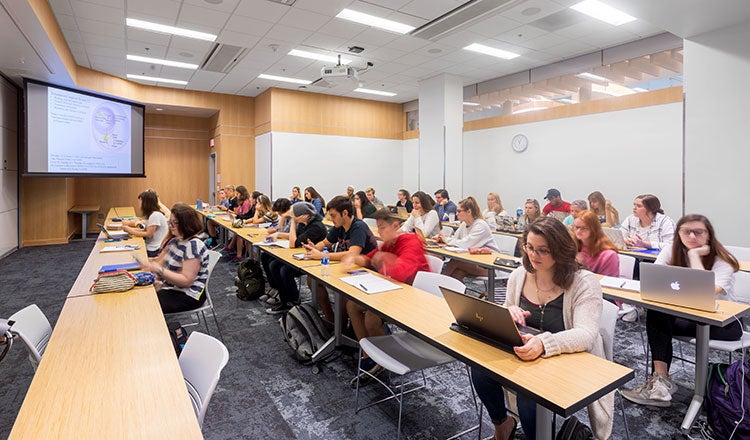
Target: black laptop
485, 321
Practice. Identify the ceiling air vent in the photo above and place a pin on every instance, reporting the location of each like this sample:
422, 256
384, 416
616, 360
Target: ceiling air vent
461, 17
223, 57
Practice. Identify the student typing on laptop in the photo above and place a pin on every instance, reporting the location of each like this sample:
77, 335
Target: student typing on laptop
552, 293
695, 246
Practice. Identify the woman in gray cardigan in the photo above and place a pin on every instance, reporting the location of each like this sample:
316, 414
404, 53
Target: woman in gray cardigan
552, 293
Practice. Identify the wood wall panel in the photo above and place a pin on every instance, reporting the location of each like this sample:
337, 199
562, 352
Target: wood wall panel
44, 211
411, 134
263, 112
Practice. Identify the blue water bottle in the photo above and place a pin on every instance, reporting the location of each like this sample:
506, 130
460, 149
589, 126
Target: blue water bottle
324, 264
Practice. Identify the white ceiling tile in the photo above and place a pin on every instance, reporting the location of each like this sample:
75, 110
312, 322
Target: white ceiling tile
373, 37
570, 49
544, 42
401, 79
369, 8
459, 56
101, 40
287, 34
232, 83
185, 55
524, 12
224, 5
434, 50
66, 22
413, 59
494, 25
141, 36
302, 19
237, 39
390, 4
392, 67
252, 89
419, 72
407, 19
323, 41
461, 39
198, 46
72, 36
170, 86
93, 11
384, 54
589, 26
520, 34
81, 58
154, 50
325, 7
408, 43
61, 7
100, 27
98, 59
162, 11
176, 73
261, 10
105, 51
429, 9
342, 28
290, 65
201, 19
641, 28
108, 69
146, 69
437, 65
247, 25
76, 47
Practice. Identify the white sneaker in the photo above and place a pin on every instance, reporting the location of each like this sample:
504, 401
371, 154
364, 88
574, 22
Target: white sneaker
628, 313
654, 392
670, 383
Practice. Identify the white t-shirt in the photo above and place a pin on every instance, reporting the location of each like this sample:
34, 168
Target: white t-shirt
723, 272
156, 219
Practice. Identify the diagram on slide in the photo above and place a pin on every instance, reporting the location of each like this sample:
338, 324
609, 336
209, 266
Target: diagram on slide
111, 131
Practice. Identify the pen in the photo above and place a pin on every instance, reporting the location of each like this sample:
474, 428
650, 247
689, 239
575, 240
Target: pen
622, 285
363, 287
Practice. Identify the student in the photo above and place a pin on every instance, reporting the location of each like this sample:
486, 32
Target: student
182, 266
231, 204
422, 217
473, 232
223, 200
283, 209
444, 206
595, 250
370, 192
350, 193
296, 195
362, 206
305, 225
695, 246
348, 236
494, 209
400, 257
531, 212
648, 227
549, 292
263, 211
555, 203
244, 206
608, 215
316, 199
577, 207
404, 200
154, 229
223, 204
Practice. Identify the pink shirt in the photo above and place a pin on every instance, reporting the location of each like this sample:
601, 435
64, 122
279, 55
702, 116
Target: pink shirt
606, 263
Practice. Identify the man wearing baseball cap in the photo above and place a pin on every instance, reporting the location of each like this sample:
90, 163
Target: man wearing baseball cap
555, 203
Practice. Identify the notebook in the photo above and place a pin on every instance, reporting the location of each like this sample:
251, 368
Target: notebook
485, 321
679, 286
113, 235
121, 266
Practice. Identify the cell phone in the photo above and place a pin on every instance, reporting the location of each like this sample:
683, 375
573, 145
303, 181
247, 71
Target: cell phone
500, 261
116, 219
357, 272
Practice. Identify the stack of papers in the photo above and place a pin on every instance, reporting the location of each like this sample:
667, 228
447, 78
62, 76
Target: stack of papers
370, 283
621, 283
278, 243
120, 248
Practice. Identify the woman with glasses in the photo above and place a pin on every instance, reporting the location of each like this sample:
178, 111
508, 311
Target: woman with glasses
648, 227
595, 250
695, 246
531, 212
473, 232
553, 294
182, 266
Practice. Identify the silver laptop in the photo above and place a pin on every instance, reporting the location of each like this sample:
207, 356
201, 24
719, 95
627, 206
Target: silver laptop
615, 235
488, 322
113, 235
679, 286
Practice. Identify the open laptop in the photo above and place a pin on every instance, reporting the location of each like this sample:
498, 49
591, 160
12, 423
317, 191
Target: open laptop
680, 286
615, 235
488, 322
113, 235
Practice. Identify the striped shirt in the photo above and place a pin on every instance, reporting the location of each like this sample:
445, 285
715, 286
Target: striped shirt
179, 251
659, 233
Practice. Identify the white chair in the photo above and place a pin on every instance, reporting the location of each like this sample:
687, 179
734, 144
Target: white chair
34, 330
201, 362
607, 330
447, 231
213, 258
739, 252
627, 266
403, 353
506, 244
371, 222
436, 263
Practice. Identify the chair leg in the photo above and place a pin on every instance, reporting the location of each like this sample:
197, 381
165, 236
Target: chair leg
356, 390
400, 407
216, 321
205, 321
624, 418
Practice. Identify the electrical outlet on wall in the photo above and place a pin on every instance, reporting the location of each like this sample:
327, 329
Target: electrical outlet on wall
100, 216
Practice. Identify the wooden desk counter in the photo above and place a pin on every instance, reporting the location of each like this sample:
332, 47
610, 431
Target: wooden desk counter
563, 384
745, 266
486, 261
109, 371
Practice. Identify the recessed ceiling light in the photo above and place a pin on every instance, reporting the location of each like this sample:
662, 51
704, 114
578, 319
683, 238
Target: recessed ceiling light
162, 62
371, 20
185, 54
163, 28
592, 77
471, 104
603, 12
374, 92
155, 79
319, 57
284, 79
487, 50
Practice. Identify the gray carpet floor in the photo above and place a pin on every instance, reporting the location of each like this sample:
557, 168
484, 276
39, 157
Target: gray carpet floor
264, 393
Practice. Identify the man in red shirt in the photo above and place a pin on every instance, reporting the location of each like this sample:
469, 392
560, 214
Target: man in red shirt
400, 257
555, 203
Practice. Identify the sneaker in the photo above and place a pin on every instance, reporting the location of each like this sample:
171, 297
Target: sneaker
209, 242
671, 384
369, 369
279, 309
628, 313
273, 300
653, 392
236, 260
263, 297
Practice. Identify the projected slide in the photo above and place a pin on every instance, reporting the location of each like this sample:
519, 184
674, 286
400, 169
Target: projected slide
87, 134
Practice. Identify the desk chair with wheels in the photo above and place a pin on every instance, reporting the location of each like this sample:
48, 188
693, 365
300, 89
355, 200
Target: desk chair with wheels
213, 258
34, 330
201, 362
402, 353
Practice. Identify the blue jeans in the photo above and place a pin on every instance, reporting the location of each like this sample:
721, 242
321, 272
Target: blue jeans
490, 392
284, 278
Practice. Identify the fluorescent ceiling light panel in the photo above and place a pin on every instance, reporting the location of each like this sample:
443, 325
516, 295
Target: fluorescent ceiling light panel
603, 12
639, 89
371, 20
319, 57
592, 77
162, 62
155, 79
487, 50
375, 92
471, 104
163, 28
284, 79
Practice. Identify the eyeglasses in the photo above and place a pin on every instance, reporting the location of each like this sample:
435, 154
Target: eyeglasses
172, 223
542, 252
697, 232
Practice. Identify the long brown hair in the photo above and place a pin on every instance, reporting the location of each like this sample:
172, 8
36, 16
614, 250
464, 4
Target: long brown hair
679, 250
536, 205
470, 204
562, 249
652, 203
499, 207
599, 240
149, 202
314, 195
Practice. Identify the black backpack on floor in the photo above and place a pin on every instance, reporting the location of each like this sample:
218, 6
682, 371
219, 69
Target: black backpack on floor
249, 280
304, 331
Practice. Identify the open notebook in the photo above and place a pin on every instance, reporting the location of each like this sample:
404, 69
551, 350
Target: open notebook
370, 283
621, 283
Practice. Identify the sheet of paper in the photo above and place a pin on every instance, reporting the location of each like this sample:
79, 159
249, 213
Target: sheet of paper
457, 250
119, 248
278, 243
621, 283
370, 283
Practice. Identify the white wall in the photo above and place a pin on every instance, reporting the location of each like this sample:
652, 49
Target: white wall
622, 154
717, 157
410, 162
263, 165
9, 177
330, 163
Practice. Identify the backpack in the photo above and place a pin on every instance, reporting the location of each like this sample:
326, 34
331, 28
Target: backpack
249, 280
574, 429
304, 331
723, 401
